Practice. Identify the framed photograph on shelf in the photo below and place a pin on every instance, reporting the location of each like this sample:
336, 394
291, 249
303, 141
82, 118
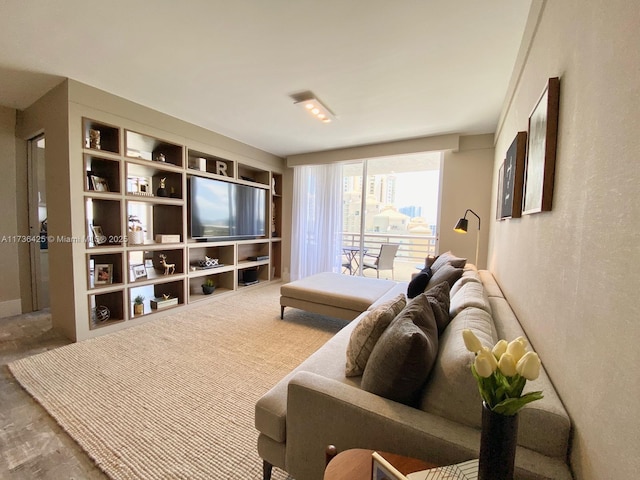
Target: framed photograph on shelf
383, 470
139, 271
513, 178
98, 236
103, 274
139, 186
541, 150
99, 184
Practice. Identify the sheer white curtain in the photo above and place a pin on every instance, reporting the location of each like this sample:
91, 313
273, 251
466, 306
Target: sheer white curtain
317, 220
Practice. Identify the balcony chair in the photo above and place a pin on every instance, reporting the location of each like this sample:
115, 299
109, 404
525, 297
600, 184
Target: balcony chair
384, 260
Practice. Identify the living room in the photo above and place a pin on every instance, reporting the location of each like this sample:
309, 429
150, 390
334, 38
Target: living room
568, 273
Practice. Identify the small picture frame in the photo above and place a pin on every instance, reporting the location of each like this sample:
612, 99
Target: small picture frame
99, 237
104, 274
139, 271
381, 469
99, 184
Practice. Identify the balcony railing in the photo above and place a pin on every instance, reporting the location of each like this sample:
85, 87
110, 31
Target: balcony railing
413, 248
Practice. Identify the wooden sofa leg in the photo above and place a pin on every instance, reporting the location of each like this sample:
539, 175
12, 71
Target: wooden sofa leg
282, 312
266, 470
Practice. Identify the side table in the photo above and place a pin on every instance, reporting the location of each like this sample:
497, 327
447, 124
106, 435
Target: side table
355, 464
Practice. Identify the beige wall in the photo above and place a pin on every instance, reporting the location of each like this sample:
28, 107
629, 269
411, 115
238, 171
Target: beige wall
10, 303
466, 183
571, 274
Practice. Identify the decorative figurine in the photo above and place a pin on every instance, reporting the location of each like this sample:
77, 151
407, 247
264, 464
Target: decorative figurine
169, 268
162, 189
94, 139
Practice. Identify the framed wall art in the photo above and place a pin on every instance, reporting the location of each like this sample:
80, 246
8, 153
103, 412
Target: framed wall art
541, 150
513, 178
500, 188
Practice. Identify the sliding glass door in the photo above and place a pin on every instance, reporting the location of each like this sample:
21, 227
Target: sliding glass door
390, 200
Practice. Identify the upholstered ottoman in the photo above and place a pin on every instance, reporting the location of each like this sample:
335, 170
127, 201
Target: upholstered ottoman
333, 294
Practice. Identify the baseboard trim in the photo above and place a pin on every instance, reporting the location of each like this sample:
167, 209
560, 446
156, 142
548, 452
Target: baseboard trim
9, 308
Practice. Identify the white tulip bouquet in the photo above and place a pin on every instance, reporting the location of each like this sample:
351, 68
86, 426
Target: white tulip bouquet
502, 372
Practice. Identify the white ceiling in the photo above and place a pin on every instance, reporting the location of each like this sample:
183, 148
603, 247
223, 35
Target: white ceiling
389, 70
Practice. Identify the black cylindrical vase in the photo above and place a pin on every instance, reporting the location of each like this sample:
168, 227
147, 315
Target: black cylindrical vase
497, 445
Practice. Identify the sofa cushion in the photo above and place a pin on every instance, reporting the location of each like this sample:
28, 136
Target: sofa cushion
468, 275
451, 391
368, 331
448, 258
403, 357
438, 298
418, 284
447, 273
471, 294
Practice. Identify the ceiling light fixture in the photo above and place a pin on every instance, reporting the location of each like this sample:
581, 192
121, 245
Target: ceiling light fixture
316, 108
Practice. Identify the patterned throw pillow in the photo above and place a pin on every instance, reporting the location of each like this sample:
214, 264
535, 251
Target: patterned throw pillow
368, 331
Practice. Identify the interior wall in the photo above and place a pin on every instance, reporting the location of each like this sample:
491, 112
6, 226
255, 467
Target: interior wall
571, 274
10, 303
466, 183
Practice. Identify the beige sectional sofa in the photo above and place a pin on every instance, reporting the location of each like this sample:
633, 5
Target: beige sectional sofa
317, 405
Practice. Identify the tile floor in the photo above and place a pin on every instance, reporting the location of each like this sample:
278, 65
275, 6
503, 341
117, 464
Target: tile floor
32, 445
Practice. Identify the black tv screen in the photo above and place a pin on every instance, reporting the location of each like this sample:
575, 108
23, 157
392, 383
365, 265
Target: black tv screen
222, 210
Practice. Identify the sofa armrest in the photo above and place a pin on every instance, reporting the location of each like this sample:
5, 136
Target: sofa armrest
322, 411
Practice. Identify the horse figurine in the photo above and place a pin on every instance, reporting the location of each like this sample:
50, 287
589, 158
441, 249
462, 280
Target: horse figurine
169, 268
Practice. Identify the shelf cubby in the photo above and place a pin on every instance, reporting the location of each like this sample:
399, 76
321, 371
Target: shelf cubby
253, 174
102, 174
251, 273
252, 249
100, 136
224, 253
110, 264
146, 265
103, 215
224, 282
144, 180
145, 147
203, 162
156, 217
106, 309
276, 260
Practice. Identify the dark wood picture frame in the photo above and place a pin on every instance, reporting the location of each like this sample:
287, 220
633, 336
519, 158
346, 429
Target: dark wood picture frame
500, 188
513, 178
541, 150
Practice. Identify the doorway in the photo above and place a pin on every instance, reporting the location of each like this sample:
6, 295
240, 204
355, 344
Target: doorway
38, 226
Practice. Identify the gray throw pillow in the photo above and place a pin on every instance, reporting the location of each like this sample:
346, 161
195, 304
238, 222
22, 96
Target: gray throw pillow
403, 357
448, 258
447, 273
439, 300
366, 334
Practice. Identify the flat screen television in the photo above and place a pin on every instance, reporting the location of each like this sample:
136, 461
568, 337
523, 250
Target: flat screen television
224, 210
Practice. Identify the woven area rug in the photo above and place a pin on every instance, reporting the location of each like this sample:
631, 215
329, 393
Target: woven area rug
174, 398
